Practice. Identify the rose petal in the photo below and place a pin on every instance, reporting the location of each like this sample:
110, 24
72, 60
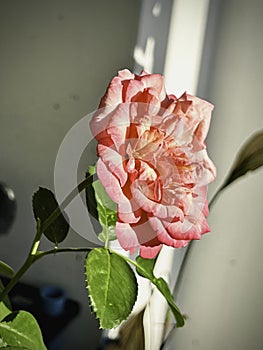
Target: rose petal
114, 191
205, 110
126, 237
113, 95
148, 252
187, 230
154, 81
125, 74
153, 161
118, 124
147, 237
163, 235
114, 162
100, 121
157, 209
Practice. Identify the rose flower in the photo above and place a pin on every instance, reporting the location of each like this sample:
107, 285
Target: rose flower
153, 162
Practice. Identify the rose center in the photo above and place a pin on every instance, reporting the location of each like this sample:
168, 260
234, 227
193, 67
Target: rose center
142, 163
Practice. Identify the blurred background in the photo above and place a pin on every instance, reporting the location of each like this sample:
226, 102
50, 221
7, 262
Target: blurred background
56, 59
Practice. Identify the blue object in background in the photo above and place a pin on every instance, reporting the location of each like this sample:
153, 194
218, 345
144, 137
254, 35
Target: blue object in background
53, 300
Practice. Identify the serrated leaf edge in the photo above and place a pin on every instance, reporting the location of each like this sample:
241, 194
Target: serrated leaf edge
92, 302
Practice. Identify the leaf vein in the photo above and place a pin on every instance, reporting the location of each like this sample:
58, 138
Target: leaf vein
6, 326
107, 285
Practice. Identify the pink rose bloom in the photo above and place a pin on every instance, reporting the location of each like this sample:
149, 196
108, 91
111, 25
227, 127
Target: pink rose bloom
153, 162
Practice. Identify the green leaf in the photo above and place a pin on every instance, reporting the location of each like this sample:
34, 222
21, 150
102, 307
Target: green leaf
44, 204
102, 198
145, 269
107, 212
107, 234
6, 270
19, 330
112, 287
249, 158
5, 305
5, 347
92, 169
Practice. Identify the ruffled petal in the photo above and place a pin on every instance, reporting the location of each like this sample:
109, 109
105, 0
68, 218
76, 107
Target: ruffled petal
157, 209
113, 94
147, 237
163, 236
153, 161
118, 124
156, 82
125, 74
149, 252
132, 88
126, 237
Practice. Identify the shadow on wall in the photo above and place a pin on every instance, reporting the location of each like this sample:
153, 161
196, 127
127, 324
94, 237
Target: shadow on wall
56, 60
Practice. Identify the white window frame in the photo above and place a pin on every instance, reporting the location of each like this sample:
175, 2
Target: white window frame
180, 64
170, 41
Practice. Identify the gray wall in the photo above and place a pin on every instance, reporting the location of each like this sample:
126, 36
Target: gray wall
221, 288
56, 59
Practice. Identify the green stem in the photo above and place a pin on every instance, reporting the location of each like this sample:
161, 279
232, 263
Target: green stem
134, 263
212, 201
29, 261
18, 275
106, 245
33, 258
40, 255
34, 254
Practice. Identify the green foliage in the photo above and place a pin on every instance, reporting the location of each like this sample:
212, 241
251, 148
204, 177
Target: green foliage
107, 212
112, 287
6, 270
5, 306
249, 158
92, 170
44, 205
144, 268
19, 330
